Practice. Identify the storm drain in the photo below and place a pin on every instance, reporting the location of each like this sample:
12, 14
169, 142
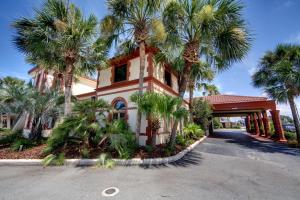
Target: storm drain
110, 192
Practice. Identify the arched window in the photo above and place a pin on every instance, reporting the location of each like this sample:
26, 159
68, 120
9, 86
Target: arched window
119, 112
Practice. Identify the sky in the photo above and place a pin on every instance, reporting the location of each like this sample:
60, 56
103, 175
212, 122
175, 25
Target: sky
270, 21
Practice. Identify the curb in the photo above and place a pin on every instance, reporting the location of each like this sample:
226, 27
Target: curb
91, 162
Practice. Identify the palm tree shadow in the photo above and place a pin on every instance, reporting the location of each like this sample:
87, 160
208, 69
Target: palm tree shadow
251, 143
192, 158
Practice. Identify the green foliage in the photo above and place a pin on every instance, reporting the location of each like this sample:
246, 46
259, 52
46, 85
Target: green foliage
17, 142
211, 29
290, 136
81, 129
217, 123
85, 153
181, 140
286, 119
149, 149
105, 161
54, 160
158, 105
236, 126
134, 20
169, 150
121, 138
84, 130
202, 112
20, 144
193, 131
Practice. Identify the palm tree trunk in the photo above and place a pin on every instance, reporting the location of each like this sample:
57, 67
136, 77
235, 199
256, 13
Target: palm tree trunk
182, 88
68, 86
295, 116
191, 96
141, 83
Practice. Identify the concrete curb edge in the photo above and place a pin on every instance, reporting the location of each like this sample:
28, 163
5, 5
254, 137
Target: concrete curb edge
91, 162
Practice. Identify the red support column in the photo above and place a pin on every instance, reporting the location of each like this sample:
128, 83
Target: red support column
256, 127
252, 127
248, 125
277, 125
260, 124
266, 124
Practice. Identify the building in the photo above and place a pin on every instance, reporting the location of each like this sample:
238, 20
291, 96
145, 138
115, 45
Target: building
118, 82
253, 109
115, 85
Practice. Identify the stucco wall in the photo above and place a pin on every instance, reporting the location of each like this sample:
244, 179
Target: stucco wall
134, 68
159, 74
132, 110
104, 77
80, 88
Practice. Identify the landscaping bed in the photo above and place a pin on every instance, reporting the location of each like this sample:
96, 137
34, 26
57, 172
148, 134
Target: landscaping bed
32, 153
36, 152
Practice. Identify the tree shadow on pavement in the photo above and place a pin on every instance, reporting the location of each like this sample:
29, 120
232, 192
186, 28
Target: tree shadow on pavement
192, 158
242, 139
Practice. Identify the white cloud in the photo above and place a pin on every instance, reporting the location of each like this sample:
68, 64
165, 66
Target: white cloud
230, 93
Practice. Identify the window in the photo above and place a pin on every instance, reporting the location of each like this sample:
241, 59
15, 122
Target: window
120, 73
93, 98
119, 110
168, 79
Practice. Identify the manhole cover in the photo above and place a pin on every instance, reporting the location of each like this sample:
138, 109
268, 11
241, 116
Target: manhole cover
109, 192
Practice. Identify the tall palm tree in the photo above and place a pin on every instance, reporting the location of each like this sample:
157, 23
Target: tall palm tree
135, 20
213, 29
279, 75
60, 38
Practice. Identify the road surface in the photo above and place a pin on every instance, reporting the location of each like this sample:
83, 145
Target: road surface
229, 165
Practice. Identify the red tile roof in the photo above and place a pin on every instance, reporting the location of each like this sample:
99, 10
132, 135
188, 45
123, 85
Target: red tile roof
221, 99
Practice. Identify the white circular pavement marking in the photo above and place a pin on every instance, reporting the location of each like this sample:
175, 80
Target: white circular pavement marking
110, 192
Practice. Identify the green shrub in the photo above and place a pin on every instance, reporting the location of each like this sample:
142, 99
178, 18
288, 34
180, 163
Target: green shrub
181, 140
169, 150
217, 124
17, 142
85, 153
193, 131
121, 139
54, 160
290, 135
20, 144
105, 161
149, 148
236, 126
202, 112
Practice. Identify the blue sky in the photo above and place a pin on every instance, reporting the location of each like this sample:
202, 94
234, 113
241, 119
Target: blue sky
270, 21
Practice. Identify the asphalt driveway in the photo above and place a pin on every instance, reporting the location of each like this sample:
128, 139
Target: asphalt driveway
229, 165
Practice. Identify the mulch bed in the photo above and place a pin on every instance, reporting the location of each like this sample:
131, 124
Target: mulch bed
32, 153
72, 152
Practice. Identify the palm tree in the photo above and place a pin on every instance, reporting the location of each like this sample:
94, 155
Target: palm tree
137, 21
209, 89
279, 75
212, 29
19, 98
59, 38
157, 106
